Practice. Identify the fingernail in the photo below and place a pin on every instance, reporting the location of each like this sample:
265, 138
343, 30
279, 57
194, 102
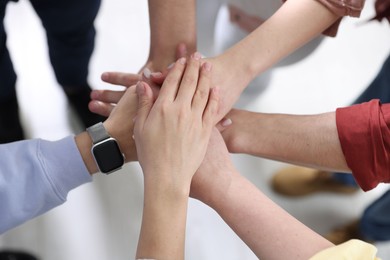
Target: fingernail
156, 75
133, 137
104, 76
226, 122
170, 66
94, 105
182, 60
140, 88
197, 56
94, 94
147, 73
207, 66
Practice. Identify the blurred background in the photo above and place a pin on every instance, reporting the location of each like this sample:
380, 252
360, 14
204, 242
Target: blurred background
101, 220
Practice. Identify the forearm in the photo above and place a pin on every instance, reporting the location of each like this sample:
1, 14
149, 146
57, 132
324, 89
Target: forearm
267, 229
171, 22
308, 140
36, 176
164, 220
84, 144
295, 23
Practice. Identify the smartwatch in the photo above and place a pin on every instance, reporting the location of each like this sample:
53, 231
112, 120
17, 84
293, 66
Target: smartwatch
105, 149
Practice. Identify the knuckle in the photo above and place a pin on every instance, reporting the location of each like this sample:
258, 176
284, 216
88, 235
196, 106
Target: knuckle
202, 93
183, 113
189, 80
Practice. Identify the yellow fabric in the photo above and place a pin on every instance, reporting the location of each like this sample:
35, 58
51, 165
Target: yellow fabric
351, 250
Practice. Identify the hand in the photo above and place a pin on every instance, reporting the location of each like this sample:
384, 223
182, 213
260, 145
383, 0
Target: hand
172, 135
120, 123
234, 128
229, 75
103, 101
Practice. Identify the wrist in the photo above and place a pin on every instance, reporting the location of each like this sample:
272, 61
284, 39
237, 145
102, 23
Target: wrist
124, 138
106, 151
170, 187
231, 78
212, 181
218, 195
239, 135
240, 63
84, 144
161, 55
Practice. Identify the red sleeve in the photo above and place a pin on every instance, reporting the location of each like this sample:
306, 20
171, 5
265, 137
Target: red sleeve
365, 140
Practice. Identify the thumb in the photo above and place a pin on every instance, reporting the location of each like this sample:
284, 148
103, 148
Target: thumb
145, 103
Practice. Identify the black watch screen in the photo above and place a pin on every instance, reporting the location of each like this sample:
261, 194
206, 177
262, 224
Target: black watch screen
108, 156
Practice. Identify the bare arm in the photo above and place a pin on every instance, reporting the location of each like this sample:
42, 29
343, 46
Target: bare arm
171, 138
295, 23
268, 230
308, 140
171, 22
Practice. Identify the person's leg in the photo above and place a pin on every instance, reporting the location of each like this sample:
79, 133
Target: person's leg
70, 34
379, 88
16, 255
10, 127
375, 222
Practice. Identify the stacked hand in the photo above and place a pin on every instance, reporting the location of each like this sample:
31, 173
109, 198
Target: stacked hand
229, 75
216, 167
172, 134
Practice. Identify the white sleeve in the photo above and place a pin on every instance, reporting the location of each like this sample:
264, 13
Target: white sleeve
36, 176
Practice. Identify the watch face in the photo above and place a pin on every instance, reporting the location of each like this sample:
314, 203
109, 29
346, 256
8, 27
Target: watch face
108, 156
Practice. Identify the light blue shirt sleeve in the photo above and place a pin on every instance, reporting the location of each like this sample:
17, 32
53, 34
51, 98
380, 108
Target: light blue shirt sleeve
36, 176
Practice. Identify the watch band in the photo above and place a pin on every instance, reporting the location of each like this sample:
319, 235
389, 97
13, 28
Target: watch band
105, 149
98, 132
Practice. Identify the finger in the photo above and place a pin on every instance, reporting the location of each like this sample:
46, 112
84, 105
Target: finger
100, 108
156, 77
171, 84
159, 77
181, 50
121, 79
107, 96
148, 75
145, 103
202, 92
190, 79
224, 124
211, 109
